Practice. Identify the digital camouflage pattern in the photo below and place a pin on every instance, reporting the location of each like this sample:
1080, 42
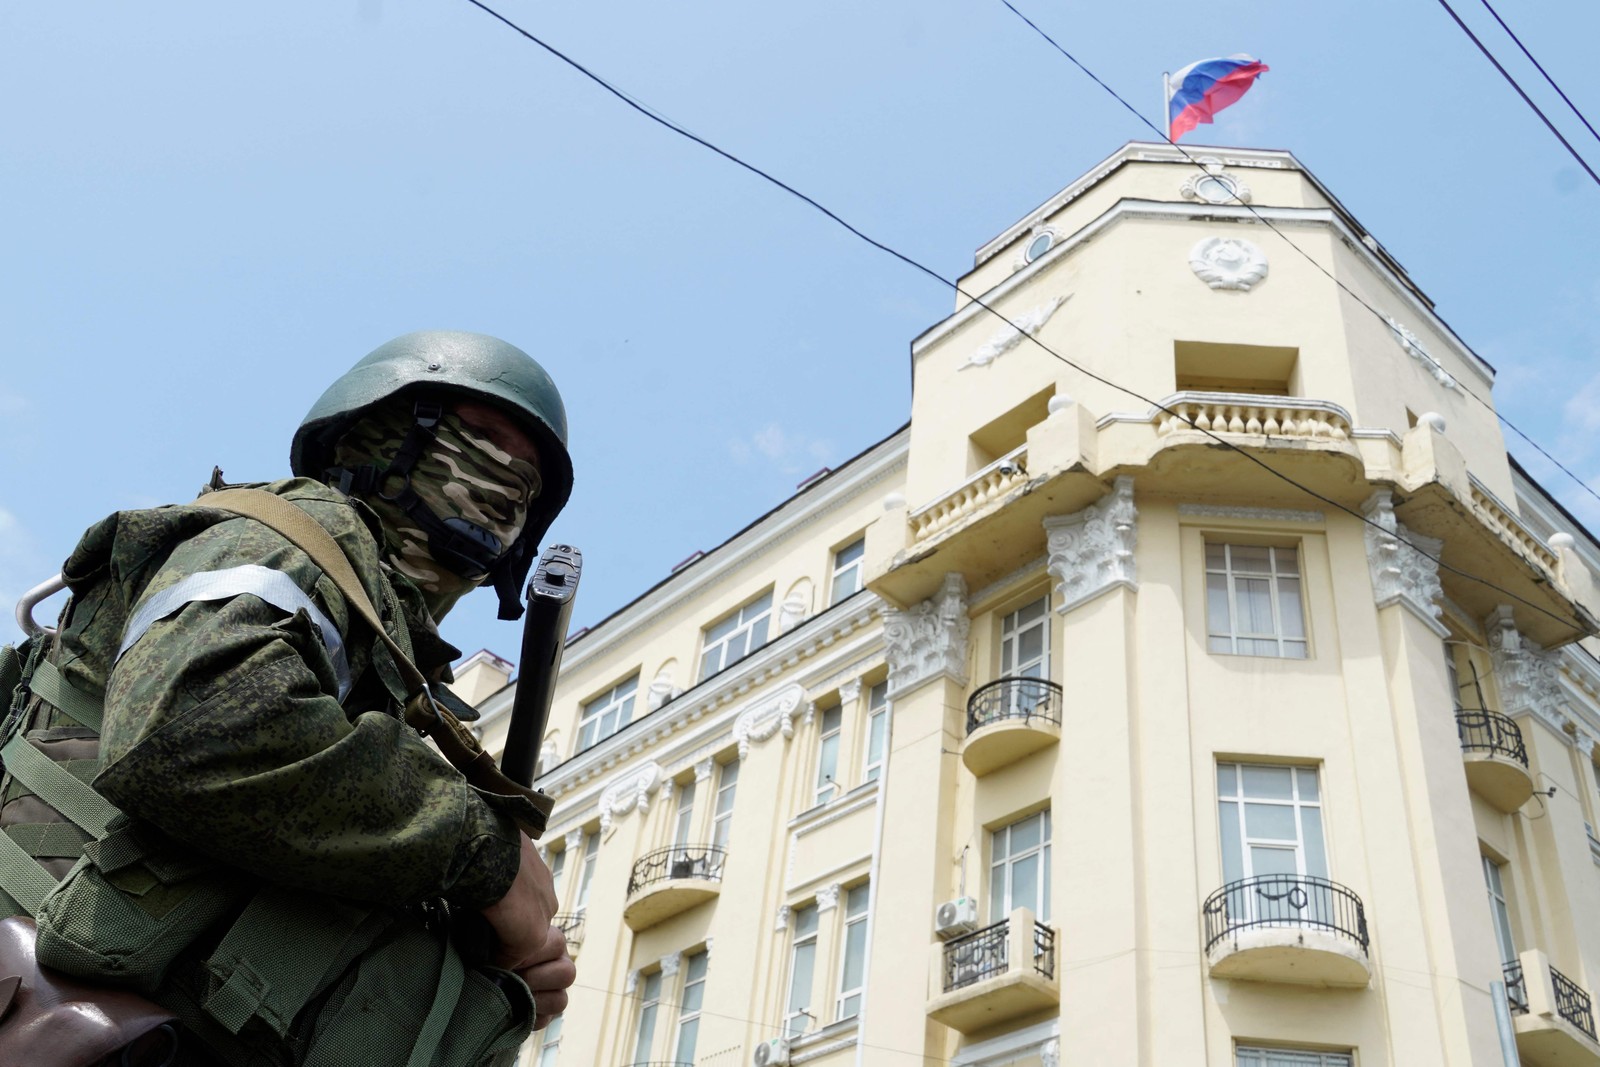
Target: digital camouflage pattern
460, 473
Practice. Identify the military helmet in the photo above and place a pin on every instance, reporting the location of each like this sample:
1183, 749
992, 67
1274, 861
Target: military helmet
440, 364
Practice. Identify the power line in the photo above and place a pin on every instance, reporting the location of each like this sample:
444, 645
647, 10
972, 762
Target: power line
1526, 99
1540, 67
1023, 334
1513, 427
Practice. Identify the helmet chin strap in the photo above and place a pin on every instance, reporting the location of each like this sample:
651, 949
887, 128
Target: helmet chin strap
457, 544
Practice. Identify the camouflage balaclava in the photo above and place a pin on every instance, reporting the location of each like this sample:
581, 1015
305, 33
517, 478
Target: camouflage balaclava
461, 474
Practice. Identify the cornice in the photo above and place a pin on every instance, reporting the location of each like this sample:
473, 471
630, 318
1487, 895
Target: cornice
712, 707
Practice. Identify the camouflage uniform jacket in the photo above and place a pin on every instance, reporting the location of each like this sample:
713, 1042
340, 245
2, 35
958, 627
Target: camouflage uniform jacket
224, 729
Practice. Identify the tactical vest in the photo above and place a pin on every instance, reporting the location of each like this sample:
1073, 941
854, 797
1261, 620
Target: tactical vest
252, 971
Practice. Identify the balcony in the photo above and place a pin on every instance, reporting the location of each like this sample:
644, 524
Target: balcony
1552, 1016
672, 880
1496, 761
1297, 929
995, 974
571, 924
1009, 719
971, 497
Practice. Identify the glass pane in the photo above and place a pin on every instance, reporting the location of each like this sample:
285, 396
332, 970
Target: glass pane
1274, 822
856, 901
710, 662
805, 921
730, 772
832, 718
647, 1033
1253, 599
722, 629
1219, 644
875, 737
1270, 783
828, 761
855, 956
1217, 604
1268, 860
1306, 778
1232, 856
756, 607
852, 551
1288, 560
1255, 559
850, 1006
1031, 612
997, 893
843, 585
805, 957
1227, 780
1316, 853
1216, 556
1294, 650
1044, 902
688, 1032
1026, 834
1025, 883
1031, 645
1290, 612
758, 634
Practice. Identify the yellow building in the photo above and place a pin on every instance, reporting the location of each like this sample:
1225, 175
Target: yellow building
1222, 696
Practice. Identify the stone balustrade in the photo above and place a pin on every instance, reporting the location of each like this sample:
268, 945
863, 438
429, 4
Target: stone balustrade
972, 496
1242, 413
1511, 530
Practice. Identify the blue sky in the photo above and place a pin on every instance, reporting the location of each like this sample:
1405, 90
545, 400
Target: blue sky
210, 211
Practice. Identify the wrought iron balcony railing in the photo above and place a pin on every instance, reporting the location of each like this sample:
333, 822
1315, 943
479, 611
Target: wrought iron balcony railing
1489, 731
1572, 1003
571, 923
1516, 988
1285, 900
1013, 698
983, 954
702, 862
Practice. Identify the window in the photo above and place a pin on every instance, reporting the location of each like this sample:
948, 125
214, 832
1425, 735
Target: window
550, 1043
722, 818
1025, 641
685, 824
649, 1007
591, 849
847, 564
828, 754
1271, 824
877, 731
1253, 601
558, 867
1498, 912
853, 968
607, 713
694, 991
1019, 868
735, 637
1288, 1057
1039, 246
802, 962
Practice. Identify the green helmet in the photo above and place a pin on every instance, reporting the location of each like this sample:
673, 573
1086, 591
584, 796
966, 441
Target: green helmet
442, 363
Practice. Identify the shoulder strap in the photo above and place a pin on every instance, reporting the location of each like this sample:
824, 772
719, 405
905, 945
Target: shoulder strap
423, 713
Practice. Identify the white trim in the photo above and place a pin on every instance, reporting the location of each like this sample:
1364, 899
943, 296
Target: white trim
1195, 396
1225, 511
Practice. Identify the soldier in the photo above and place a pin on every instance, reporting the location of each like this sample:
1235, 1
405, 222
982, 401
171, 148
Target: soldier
289, 867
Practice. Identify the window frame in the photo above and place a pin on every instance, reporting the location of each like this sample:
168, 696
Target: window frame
877, 734
686, 1014
722, 812
798, 941
1002, 903
853, 921
744, 627
1276, 579
1505, 935
593, 712
1013, 631
549, 1044
830, 740
649, 1007
591, 853
855, 566
1307, 1057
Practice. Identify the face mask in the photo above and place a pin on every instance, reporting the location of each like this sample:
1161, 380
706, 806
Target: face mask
462, 477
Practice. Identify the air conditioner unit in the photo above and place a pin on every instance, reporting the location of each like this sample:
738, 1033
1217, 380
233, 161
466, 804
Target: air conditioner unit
956, 917
773, 1052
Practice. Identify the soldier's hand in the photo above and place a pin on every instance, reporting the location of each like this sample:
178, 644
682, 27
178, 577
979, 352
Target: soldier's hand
530, 943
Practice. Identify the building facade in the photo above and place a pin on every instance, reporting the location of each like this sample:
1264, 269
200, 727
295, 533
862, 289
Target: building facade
1202, 684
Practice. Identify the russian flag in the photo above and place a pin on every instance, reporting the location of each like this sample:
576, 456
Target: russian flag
1202, 89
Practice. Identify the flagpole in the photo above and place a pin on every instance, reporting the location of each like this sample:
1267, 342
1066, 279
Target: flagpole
1166, 104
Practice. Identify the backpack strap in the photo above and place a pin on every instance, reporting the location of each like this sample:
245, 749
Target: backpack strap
527, 806
49, 683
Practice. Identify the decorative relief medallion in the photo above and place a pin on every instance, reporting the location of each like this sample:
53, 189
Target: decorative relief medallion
663, 688
1528, 677
930, 640
1092, 550
1413, 347
631, 789
1010, 336
795, 607
1400, 573
768, 716
1228, 263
